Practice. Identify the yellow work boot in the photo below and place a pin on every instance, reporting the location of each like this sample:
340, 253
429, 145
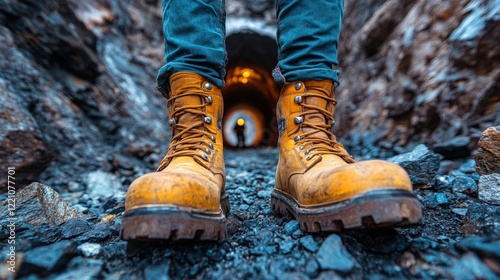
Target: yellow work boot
319, 183
185, 198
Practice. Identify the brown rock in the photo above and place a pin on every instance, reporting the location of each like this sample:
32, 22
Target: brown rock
37, 204
487, 157
21, 146
418, 71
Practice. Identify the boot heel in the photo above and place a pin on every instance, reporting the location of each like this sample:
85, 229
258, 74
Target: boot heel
171, 224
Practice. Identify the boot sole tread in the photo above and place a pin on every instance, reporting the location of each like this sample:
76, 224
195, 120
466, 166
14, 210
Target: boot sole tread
172, 224
374, 209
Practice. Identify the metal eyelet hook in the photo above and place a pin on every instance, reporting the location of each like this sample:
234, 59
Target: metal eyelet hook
209, 99
171, 122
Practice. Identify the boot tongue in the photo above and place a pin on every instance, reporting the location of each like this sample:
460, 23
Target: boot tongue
181, 83
323, 88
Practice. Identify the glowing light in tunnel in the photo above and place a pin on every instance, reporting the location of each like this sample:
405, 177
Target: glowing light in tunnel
246, 73
243, 114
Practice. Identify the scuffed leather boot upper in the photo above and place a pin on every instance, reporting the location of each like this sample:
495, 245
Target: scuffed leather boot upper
313, 167
192, 174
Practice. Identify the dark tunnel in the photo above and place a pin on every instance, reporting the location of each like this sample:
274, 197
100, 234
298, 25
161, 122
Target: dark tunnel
250, 92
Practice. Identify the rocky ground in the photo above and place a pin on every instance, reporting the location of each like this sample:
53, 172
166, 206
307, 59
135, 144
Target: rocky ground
79, 114
459, 237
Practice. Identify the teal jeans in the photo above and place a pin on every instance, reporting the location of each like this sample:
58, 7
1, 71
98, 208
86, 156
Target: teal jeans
307, 36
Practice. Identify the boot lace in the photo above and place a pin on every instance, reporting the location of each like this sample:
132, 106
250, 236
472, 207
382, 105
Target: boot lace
188, 139
319, 144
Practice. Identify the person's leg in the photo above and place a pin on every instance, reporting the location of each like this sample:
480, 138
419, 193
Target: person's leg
186, 198
316, 179
308, 34
194, 40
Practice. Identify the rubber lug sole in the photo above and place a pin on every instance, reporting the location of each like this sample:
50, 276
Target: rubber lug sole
375, 209
167, 223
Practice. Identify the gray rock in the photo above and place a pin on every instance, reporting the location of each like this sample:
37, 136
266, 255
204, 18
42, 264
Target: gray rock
291, 227
102, 184
332, 255
469, 266
434, 200
75, 227
90, 249
264, 193
286, 246
489, 188
421, 164
48, 258
485, 247
463, 184
37, 204
309, 243
468, 166
457, 147
82, 269
482, 219
157, 271
312, 268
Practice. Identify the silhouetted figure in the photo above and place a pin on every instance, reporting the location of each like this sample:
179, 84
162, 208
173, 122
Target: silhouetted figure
239, 129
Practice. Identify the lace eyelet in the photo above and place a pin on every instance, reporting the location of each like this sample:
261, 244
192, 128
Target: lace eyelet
211, 146
208, 151
209, 99
205, 157
171, 122
207, 120
297, 99
301, 147
212, 138
309, 157
306, 152
297, 138
298, 120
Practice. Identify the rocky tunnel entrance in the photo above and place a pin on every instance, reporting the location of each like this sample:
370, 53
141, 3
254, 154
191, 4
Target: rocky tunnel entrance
250, 94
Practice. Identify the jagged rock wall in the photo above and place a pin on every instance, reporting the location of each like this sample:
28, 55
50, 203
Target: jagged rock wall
419, 71
77, 86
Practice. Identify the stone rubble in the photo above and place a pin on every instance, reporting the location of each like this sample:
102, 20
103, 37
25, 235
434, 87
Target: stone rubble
264, 245
84, 119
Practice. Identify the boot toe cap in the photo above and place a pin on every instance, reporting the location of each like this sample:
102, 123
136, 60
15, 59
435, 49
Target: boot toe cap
189, 191
326, 186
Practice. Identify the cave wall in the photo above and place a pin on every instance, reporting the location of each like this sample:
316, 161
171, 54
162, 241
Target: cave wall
77, 87
423, 71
